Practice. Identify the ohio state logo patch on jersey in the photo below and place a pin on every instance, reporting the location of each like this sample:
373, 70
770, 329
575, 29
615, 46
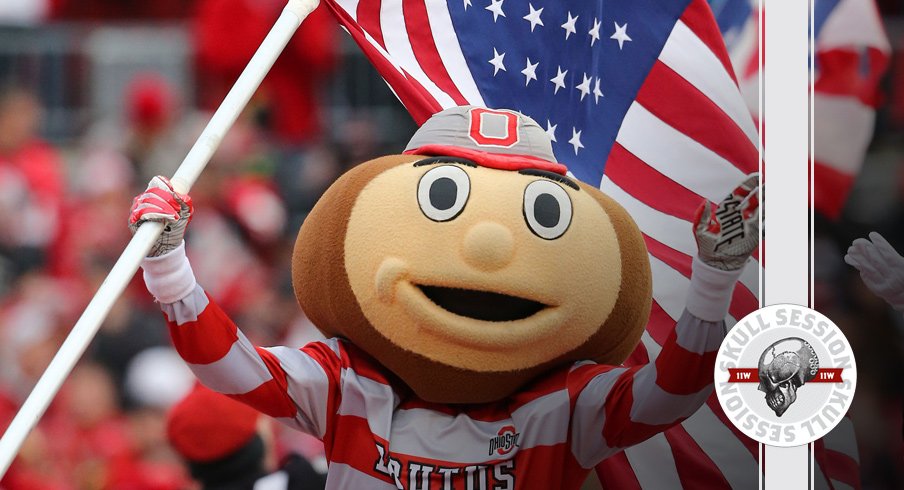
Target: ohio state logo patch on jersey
505, 441
493, 128
785, 375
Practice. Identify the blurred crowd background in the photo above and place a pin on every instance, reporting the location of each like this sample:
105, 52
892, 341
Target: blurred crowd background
97, 96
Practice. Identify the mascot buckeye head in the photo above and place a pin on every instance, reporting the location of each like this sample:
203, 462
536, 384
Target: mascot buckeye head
472, 263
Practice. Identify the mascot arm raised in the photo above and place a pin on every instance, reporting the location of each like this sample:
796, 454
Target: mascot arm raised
206, 338
647, 399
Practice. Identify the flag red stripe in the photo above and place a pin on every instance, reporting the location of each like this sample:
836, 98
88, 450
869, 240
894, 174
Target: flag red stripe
831, 188
660, 324
646, 183
752, 446
699, 18
368, 15
695, 469
420, 104
841, 73
417, 23
841, 467
743, 300
698, 117
639, 355
617, 472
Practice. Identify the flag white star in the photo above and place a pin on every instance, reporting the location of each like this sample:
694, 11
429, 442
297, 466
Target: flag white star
559, 80
595, 32
621, 34
551, 130
496, 8
467, 4
597, 93
530, 72
534, 17
575, 140
569, 25
584, 86
497, 62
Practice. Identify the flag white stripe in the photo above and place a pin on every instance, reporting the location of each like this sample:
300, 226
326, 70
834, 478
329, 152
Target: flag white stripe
672, 153
744, 46
842, 439
853, 23
672, 232
842, 131
685, 53
723, 448
653, 463
350, 7
395, 36
653, 348
450, 51
670, 289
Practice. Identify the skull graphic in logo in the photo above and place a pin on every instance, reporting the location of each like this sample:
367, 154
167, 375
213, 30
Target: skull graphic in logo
784, 367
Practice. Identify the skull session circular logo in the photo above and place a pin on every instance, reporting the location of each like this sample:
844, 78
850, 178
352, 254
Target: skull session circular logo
785, 375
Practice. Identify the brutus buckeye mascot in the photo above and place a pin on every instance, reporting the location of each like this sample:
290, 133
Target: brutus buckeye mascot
477, 302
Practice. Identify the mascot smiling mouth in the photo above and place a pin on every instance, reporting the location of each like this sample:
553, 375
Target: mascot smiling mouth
481, 305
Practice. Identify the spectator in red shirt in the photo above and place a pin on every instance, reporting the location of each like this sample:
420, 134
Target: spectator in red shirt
32, 176
228, 32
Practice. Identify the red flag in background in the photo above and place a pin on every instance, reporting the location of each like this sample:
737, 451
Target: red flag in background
851, 55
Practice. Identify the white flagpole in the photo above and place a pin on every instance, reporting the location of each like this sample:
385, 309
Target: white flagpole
84, 330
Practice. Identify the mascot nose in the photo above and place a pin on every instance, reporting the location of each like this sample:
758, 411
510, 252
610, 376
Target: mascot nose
489, 246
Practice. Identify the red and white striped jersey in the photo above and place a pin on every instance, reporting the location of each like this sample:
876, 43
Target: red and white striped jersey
379, 435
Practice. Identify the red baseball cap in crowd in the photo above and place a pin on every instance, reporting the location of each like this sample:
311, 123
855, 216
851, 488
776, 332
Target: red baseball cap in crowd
206, 426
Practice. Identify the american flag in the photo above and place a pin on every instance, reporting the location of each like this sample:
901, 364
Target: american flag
640, 99
851, 56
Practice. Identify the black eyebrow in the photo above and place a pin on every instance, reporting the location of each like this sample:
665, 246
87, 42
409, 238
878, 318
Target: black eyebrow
442, 159
551, 176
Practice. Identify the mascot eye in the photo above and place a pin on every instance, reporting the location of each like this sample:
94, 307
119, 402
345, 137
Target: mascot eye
443, 191
547, 209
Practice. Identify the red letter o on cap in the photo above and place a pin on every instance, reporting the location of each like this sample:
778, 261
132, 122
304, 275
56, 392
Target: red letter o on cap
493, 128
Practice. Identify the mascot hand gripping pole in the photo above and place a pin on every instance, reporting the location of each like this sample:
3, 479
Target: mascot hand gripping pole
478, 304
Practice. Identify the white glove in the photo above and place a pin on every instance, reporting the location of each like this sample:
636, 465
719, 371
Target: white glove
728, 233
160, 202
881, 268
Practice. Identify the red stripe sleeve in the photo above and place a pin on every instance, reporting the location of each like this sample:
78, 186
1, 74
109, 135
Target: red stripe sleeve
696, 372
206, 340
619, 430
